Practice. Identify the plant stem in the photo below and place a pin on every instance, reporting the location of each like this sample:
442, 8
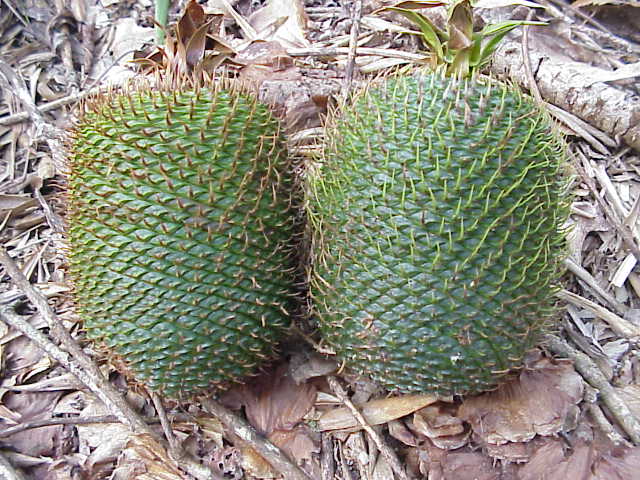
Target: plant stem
161, 17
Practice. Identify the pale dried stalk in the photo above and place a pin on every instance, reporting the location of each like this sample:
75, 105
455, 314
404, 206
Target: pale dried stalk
388, 454
164, 421
356, 16
592, 374
618, 324
47, 107
334, 52
81, 365
586, 277
246, 433
76, 361
8, 471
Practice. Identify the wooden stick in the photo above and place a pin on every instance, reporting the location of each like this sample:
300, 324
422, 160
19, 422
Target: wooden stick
81, 365
247, 434
8, 471
76, 361
592, 374
388, 454
356, 15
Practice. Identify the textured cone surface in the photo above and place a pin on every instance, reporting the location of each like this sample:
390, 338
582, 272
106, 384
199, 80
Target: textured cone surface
180, 227
436, 215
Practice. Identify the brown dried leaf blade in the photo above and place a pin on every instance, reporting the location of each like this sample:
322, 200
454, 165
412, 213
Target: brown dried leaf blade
538, 402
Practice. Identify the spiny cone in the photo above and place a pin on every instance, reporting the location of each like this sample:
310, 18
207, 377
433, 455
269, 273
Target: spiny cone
436, 216
180, 233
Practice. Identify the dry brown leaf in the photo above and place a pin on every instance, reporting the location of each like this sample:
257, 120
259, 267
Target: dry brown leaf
20, 460
440, 424
437, 420
29, 407
72, 403
22, 359
469, 466
516, 452
227, 461
399, 431
619, 464
193, 45
253, 463
266, 61
538, 402
144, 459
592, 219
212, 428
460, 26
299, 444
548, 462
550, 452
282, 20
105, 441
316, 366
382, 469
66, 381
375, 412
441, 464
191, 33
13, 202
273, 401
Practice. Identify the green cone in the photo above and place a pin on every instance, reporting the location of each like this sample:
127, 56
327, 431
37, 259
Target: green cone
181, 225
436, 218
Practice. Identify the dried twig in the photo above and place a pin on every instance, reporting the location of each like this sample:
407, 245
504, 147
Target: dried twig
388, 454
618, 324
356, 15
620, 227
586, 277
8, 471
46, 107
533, 86
21, 427
246, 433
327, 463
334, 52
603, 423
80, 364
592, 374
164, 421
